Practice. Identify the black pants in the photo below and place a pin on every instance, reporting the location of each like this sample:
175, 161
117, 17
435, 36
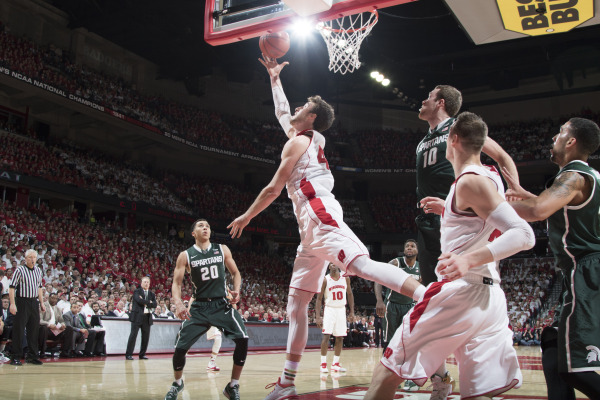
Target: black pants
28, 316
95, 342
428, 242
135, 327
65, 337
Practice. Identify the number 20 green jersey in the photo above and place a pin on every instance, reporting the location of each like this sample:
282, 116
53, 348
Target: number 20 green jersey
434, 172
207, 271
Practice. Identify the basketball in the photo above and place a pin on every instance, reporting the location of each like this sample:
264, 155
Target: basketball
274, 45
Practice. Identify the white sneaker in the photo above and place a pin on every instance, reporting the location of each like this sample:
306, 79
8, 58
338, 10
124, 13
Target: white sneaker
3, 358
442, 387
212, 366
365, 344
281, 392
337, 368
324, 368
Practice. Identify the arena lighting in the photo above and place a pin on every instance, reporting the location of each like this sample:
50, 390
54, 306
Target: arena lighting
379, 78
385, 82
303, 27
375, 74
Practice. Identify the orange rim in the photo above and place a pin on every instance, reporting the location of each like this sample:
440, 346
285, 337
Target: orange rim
352, 30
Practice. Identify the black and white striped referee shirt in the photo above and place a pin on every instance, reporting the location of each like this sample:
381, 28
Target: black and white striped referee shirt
26, 281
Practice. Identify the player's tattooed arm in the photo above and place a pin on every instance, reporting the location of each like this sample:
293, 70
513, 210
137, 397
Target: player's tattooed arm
565, 188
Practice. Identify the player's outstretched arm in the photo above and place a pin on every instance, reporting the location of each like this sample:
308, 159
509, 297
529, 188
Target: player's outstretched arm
180, 267
504, 160
563, 191
479, 194
292, 151
282, 105
235, 275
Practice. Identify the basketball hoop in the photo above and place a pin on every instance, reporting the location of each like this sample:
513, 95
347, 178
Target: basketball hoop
344, 36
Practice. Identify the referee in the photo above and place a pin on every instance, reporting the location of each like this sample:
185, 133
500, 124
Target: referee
26, 300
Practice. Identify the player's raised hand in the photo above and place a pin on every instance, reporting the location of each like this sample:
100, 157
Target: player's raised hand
238, 225
272, 66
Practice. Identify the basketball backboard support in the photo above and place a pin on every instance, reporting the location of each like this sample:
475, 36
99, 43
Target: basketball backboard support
488, 21
229, 21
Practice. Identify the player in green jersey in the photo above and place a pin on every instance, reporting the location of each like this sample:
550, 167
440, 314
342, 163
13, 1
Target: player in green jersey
206, 263
571, 204
395, 305
434, 178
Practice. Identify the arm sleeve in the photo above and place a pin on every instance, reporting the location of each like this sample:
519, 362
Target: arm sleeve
516, 235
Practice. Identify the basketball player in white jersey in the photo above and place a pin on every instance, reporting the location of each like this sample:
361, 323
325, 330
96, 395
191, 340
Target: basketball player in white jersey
465, 311
337, 292
324, 236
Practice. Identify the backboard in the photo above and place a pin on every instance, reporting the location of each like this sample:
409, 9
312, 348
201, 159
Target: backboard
229, 21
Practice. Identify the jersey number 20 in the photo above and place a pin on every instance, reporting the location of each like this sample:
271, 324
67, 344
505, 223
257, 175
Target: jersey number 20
209, 272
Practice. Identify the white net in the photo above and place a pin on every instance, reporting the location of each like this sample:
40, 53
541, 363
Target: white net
343, 37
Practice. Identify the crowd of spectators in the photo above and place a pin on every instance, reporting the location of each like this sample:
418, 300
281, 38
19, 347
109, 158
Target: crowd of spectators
523, 140
389, 217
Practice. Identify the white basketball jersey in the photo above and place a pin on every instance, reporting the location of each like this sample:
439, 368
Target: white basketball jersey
311, 176
463, 231
335, 292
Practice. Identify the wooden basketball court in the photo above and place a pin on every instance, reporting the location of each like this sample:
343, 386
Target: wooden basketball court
115, 378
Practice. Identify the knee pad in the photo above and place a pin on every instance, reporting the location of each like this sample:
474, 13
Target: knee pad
179, 359
240, 352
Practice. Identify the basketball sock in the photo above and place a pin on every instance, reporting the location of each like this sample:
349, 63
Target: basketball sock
323, 359
2, 346
288, 375
213, 357
179, 381
234, 382
336, 359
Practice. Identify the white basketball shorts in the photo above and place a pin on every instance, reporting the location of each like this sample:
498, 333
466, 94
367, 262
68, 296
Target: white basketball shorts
467, 319
325, 238
334, 321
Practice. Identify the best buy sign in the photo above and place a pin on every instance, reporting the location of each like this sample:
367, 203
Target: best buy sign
541, 17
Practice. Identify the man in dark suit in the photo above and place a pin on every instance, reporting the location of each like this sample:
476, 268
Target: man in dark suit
144, 301
79, 332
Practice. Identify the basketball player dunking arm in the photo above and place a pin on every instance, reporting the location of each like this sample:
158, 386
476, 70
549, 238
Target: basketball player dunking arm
465, 312
434, 178
324, 236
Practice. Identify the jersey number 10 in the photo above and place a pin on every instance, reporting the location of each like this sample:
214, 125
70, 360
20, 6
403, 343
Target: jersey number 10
337, 295
430, 157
